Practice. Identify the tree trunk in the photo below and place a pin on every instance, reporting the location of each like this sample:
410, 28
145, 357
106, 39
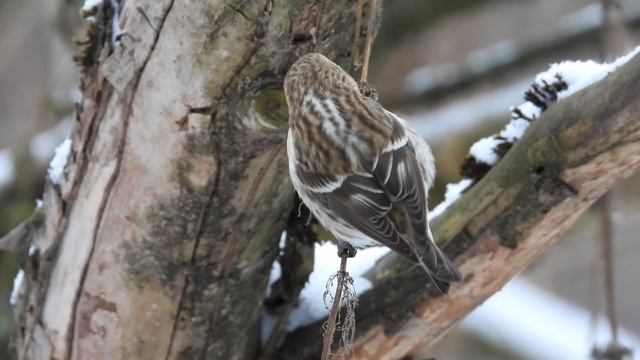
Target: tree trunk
159, 240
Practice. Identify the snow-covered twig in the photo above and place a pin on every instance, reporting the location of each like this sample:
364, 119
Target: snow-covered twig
561, 80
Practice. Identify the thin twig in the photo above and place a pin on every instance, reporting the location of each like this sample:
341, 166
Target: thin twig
356, 40
337, 299
614, 39
369, 40
607, 254
594, 289
335, 308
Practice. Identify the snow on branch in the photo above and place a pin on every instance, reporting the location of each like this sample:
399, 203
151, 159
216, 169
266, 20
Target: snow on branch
116, 30
90, 4
561, 80
17, 285
59, 161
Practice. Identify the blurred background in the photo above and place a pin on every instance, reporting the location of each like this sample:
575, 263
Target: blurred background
453, 68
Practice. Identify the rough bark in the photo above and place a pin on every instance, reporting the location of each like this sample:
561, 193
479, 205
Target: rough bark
157, 243
568, 158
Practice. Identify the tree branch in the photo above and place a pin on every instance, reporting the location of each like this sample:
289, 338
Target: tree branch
574, 153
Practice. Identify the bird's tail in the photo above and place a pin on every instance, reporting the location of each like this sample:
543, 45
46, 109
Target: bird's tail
437, 265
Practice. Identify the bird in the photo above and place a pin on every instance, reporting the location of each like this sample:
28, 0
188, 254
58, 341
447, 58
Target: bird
360, 169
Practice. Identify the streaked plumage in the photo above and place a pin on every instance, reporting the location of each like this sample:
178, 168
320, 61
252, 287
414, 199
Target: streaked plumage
360, 169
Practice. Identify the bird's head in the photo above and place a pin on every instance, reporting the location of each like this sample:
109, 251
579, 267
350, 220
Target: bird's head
315, 75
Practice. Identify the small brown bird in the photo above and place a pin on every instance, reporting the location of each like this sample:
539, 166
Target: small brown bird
359, 168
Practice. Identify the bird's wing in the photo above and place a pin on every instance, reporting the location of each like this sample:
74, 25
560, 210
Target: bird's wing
360, 202
364, 201
405, 170
400, 175
422, 150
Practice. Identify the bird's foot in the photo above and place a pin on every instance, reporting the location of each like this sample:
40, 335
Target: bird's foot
346, 250
368, 90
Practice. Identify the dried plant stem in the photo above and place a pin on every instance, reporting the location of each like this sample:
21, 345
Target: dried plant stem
369, 40
331, 327
607, 254
356, 40
342, 274
614, 40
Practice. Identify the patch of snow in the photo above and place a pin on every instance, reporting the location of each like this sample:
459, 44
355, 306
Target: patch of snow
89, 4
42, 146
116, 30
537, 325
283, 241
39, 203
276, 270
576, 74
445, 121
59, 161
625, 58
32, 250
580, 74
17, 284
326, 262
7, 167
529, 110
453, 192
483, 150
514, 129
276, 273
268, 319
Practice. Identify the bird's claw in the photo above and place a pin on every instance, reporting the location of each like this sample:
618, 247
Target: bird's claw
368, 90
346, 250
